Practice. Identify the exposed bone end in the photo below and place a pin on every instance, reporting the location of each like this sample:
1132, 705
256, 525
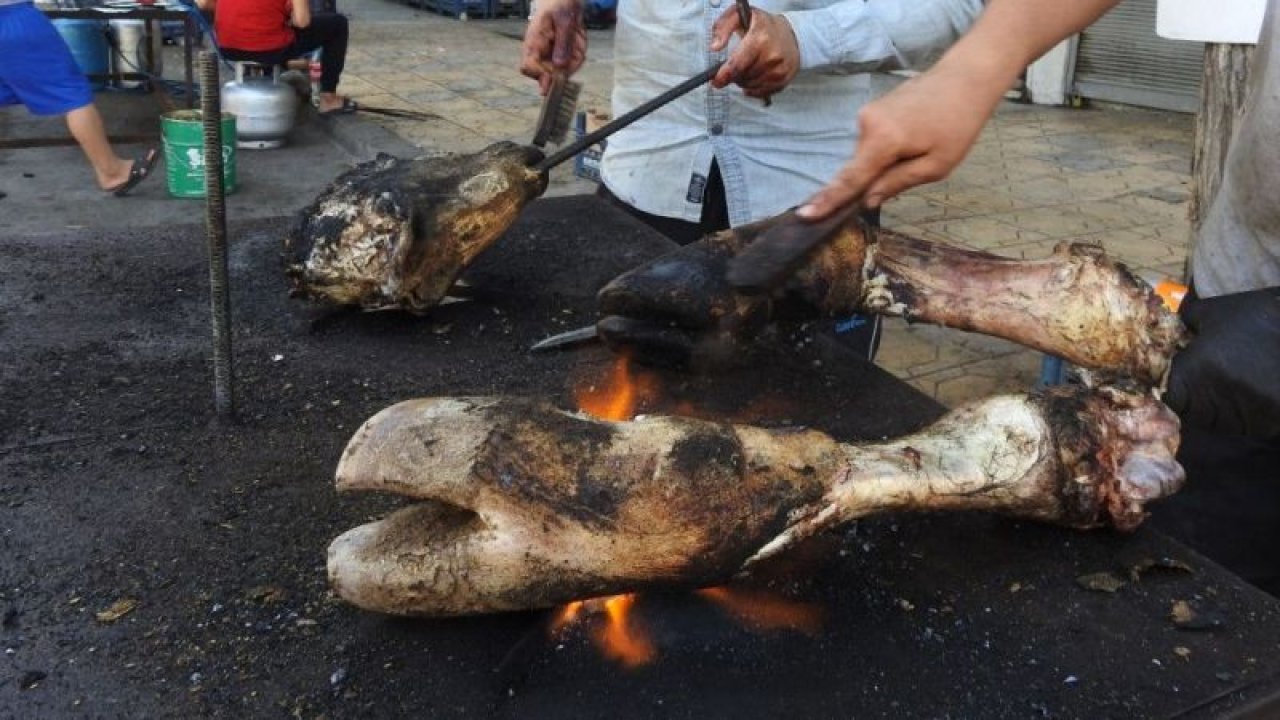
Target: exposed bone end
1117, 450
1067, 456
1120, 323
1078, 304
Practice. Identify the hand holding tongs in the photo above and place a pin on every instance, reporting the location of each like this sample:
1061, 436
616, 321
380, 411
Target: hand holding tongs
744, 19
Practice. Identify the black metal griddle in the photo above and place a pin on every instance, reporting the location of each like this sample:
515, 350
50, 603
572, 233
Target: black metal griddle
115, 487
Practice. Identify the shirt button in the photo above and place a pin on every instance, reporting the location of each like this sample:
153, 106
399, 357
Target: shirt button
717, 129
715, 3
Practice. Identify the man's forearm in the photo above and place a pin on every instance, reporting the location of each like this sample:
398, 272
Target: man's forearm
874, 35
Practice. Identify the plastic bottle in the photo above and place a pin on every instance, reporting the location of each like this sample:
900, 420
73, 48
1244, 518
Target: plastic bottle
313, 69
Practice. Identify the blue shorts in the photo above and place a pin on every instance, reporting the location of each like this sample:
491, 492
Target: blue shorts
38, 69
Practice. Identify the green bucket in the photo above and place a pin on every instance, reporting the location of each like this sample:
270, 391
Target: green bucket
183, 133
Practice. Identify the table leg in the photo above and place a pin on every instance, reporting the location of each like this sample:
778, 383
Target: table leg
148, 37
188, 33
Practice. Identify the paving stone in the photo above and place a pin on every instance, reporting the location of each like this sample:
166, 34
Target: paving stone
1049, 191
1013, 373
984, 233
1133, 248
1053, 221
1083, 142
1172, 195
1083, 161
430, 98
396, 82
917, 206
995, 198
1115, 215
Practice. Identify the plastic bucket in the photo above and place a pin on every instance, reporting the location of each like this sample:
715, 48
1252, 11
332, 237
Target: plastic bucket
183, 134
87, 40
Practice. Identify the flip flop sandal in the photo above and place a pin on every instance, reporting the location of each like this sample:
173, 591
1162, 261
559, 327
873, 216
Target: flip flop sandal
348, 106
141, 170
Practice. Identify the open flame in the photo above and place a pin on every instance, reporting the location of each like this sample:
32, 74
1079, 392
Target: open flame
763, 611
617, 397
619, 639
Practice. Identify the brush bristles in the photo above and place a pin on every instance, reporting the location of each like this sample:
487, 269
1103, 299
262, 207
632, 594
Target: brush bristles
558, 109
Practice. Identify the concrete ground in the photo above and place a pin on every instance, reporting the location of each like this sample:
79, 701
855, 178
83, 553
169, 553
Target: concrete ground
1039, 176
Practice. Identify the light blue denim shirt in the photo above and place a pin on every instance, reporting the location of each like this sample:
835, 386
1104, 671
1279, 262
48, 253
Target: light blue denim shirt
771, 158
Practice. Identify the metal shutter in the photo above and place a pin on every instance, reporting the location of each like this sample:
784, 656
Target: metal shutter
1121, 59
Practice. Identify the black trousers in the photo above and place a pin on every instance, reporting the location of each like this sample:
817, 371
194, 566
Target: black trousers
1229, 510
860, 333
327, 31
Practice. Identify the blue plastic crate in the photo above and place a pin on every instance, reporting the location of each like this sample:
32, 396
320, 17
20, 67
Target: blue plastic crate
509, 8
458, 8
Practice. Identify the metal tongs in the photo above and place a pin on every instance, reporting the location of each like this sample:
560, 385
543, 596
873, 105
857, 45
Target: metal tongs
744, 19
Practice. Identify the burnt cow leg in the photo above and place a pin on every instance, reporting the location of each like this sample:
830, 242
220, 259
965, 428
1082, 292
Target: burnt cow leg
525, 506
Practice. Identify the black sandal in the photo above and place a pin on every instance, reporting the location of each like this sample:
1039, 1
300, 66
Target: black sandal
141, 170
347, 107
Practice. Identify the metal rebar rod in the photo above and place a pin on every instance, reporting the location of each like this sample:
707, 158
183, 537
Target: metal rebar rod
215, 224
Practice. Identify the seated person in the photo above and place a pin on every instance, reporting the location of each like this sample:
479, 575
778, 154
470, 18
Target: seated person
38, 70
273, 32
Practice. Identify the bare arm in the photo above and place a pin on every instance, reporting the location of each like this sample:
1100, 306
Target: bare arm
920, 132
555, 40
300, 17
207, 5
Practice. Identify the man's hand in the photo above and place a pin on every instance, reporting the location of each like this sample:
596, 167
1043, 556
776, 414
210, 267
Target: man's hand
681, 310
921, 131
1228, 378
556, 39
914, 135
766, 60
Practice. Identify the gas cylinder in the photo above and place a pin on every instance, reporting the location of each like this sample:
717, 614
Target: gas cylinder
265, 108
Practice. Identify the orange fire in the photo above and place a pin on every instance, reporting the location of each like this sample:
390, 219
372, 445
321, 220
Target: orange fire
762, 611
566, 616
618, 397
619, 639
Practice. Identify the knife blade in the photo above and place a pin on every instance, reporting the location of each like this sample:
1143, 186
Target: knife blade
566, 339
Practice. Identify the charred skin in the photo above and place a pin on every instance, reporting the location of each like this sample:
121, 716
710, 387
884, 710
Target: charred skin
1077, 304
397, 233
520, 505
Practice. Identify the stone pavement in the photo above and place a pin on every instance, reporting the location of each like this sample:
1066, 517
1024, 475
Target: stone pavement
1118, 177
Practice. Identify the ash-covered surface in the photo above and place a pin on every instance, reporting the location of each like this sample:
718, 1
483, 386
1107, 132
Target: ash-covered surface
117, 485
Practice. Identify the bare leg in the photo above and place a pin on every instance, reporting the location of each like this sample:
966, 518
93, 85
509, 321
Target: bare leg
330, 101
87, 128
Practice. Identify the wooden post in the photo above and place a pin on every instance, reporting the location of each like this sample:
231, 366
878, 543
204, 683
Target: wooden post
1223, 91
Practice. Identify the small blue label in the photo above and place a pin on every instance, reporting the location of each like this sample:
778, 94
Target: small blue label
852, 323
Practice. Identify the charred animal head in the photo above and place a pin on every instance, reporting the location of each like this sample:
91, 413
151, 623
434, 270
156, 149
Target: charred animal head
397, 233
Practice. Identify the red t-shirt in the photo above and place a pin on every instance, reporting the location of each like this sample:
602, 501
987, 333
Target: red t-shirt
253, 25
